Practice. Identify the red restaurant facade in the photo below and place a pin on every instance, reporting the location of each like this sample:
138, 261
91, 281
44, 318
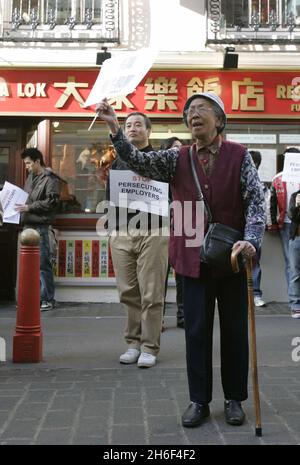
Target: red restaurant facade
44, 108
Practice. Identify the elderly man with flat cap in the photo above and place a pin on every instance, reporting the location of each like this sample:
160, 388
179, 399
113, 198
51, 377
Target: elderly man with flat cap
231, 187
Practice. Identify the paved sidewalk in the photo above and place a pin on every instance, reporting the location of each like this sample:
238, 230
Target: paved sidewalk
80, 394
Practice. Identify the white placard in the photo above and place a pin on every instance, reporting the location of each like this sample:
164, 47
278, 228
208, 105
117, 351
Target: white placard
130, 190
252, 138
9, 197
267, 169
291, 168
289, 138
119, 76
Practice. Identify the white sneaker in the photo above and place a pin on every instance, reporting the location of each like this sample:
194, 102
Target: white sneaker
146, 360
46, 306
259, 302
295, 313
130, 356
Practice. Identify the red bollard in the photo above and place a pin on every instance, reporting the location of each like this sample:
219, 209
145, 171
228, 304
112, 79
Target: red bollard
27, 342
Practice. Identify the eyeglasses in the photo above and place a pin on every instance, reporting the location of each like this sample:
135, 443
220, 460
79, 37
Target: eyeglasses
198, 109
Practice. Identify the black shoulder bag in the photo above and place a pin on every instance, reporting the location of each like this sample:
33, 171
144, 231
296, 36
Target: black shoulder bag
219, 238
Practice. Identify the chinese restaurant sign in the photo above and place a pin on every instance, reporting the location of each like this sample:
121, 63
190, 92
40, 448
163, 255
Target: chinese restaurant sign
260, 94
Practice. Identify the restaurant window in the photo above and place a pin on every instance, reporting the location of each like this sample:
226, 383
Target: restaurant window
77, 158
270, 139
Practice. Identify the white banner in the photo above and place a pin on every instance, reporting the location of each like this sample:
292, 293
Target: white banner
291, 169
130, 190
119, 76
9, 197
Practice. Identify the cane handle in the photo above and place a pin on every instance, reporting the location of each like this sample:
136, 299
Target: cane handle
234, 262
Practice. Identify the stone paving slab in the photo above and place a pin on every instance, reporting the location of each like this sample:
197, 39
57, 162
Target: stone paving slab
147, 415
79, 394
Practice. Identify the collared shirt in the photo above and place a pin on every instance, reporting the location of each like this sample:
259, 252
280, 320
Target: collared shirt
161, 166
207, 155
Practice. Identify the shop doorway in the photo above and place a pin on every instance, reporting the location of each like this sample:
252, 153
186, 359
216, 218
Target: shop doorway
8, 233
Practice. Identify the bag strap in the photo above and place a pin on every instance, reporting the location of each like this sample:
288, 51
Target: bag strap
200, 195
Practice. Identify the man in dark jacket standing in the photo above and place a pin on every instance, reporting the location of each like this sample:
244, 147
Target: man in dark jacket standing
38, 213
231, 187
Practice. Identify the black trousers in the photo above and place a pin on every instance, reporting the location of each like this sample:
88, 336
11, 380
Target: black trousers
199, 297
179, 293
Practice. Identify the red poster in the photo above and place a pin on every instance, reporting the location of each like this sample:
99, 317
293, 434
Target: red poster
78, 259
111, 272
62, 252
95, 259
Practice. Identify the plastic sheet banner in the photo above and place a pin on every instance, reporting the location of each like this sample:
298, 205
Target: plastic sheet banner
130, 190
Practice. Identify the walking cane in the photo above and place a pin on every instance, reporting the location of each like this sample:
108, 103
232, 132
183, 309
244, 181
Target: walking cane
251, 316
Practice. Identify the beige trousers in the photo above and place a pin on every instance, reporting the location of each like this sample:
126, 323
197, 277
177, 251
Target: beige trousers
140, 265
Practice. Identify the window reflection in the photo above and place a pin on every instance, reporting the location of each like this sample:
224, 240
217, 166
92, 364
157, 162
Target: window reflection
77, 158
82, 159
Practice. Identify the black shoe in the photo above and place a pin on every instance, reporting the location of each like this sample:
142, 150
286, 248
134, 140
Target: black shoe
180, 323
234, 414
195, 414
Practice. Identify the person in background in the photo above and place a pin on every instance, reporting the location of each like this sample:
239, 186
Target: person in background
294, 254
167, 144
1, 209
140, 260
231, 187
279, 203
171, 142
38, 213
258, 300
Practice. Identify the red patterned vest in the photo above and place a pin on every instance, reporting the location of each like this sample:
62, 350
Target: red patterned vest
223, 193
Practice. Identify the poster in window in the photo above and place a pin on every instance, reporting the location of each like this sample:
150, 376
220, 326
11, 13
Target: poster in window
267, 169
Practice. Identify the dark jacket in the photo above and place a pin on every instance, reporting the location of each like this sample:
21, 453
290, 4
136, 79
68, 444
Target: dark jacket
294, 215
43, 198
